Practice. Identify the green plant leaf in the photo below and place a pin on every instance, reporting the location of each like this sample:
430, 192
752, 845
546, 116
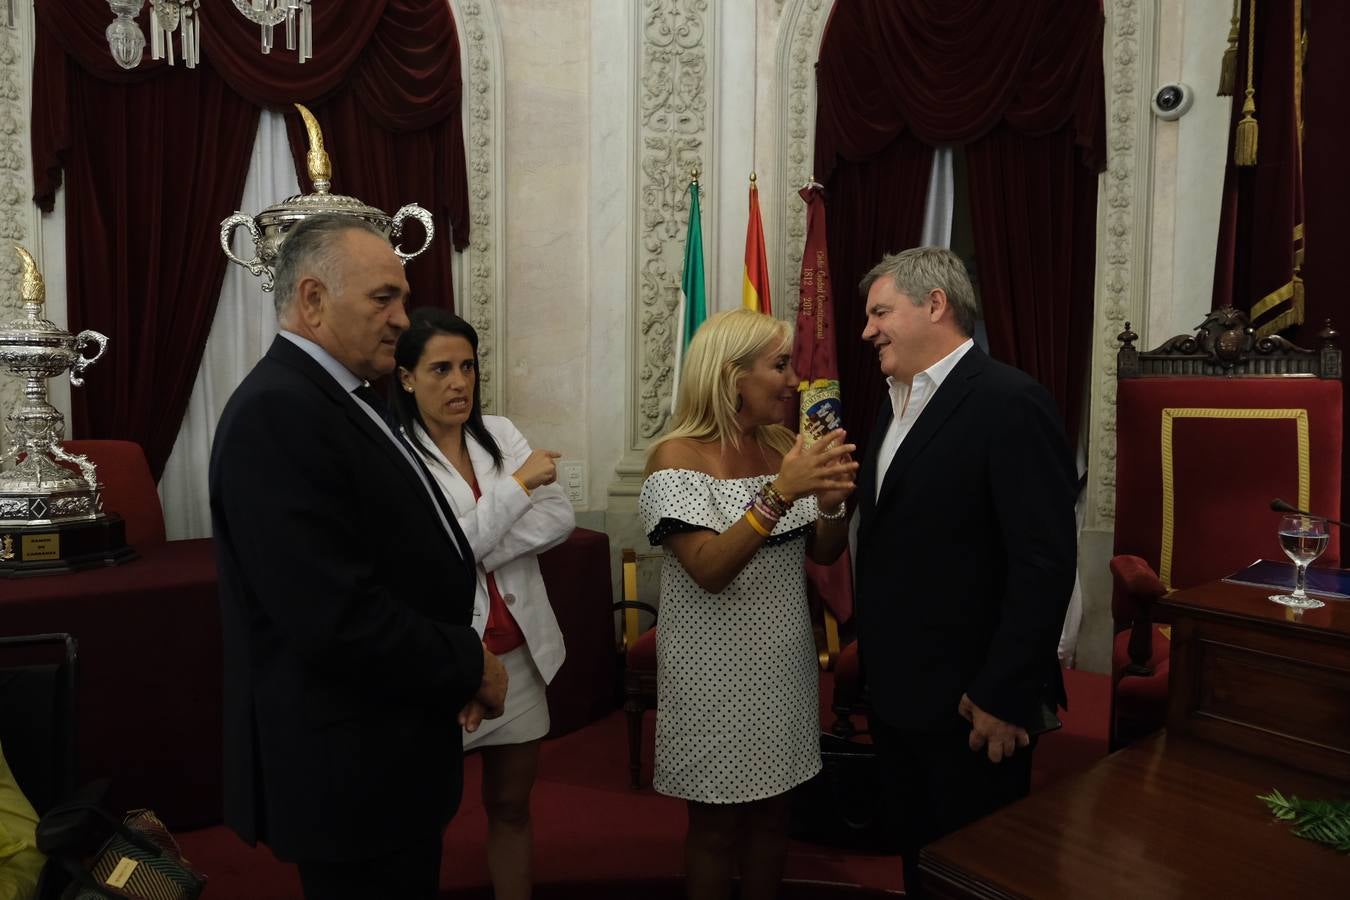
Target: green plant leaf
1323, 821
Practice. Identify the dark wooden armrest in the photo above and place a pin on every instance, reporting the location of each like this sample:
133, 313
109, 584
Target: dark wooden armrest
635, 604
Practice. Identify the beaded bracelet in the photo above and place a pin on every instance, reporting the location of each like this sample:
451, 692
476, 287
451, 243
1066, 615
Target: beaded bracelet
774, 499
835, 516
767, 516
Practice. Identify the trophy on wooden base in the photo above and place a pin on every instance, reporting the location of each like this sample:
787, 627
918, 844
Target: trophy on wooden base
51, 516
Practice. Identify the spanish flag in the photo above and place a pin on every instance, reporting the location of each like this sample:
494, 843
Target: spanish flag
755, 284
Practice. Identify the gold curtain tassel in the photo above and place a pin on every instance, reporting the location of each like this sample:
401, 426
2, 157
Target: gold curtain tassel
1244, 148
1228, 68
1244, 145
1299, 295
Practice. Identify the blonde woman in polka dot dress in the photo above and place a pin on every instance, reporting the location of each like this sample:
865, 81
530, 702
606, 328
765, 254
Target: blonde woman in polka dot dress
736, 502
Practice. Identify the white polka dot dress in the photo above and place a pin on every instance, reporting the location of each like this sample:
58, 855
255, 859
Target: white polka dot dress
737, 715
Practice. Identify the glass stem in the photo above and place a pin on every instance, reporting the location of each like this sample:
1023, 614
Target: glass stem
1300, 580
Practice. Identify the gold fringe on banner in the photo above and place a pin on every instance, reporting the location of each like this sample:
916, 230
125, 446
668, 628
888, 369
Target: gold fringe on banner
1244, 147
1292, 291
1228, 68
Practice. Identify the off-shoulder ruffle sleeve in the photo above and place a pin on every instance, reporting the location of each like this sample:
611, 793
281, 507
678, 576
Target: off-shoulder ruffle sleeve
678, 500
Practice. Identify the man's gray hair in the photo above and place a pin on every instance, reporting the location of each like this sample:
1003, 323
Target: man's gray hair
919, 270
312, 248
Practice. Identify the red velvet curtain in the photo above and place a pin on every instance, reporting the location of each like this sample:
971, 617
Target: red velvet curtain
1033, 208
872, 208
1011, 82
1261, 225
154, 158
393, 130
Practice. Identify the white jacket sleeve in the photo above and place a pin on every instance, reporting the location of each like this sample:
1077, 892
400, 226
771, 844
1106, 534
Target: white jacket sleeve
507, 523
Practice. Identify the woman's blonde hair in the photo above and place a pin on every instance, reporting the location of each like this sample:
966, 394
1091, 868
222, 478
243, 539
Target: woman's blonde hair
722, 352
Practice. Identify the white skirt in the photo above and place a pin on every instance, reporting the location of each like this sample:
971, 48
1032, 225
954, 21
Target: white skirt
526, 715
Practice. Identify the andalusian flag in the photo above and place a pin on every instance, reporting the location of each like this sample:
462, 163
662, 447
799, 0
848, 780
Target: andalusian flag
693, 297
755, 284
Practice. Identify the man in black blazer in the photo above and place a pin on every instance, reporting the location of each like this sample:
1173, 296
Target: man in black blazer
966, 555
346, 591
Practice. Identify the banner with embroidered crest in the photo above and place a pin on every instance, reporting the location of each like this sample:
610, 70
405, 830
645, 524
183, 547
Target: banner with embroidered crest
1259, 264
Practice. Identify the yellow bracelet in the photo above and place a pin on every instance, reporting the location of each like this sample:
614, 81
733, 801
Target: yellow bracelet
755, 523
522, 486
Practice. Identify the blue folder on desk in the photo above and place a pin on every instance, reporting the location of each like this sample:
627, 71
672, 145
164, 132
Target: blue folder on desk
1333, 583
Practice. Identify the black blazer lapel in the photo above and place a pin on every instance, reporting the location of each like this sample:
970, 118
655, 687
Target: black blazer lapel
940, 407
288, 354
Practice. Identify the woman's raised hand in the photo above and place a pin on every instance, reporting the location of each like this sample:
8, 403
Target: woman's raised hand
825, 468
540, 467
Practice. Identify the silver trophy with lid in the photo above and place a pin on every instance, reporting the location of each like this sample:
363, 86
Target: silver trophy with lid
269, 228
51, 516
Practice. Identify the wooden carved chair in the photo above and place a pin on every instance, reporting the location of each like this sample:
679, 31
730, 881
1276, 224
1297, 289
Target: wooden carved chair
1210, 428
637, 650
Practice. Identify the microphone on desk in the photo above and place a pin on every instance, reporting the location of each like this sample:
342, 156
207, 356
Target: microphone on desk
1280, 506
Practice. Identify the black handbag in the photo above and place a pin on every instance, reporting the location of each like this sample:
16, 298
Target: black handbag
94, 855
843, 805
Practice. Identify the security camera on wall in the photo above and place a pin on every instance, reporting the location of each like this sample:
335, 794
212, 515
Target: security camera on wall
1170, 101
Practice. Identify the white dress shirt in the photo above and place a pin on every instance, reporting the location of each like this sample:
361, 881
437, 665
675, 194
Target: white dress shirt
908, 402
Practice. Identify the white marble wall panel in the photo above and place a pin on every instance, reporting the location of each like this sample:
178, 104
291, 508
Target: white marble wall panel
544, 336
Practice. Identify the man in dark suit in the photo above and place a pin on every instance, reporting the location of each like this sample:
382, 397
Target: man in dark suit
346, 591
966, 555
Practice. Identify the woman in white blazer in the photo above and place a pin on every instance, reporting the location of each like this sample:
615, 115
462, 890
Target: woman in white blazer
511, 509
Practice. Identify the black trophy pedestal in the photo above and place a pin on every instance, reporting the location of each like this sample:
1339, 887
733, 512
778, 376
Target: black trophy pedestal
65, 547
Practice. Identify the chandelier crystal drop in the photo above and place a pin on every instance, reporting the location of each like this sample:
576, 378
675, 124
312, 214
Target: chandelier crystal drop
297, 15
125, 38
165, 17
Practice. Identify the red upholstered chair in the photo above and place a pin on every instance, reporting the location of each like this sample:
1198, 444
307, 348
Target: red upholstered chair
577, 576
1209, 429
128, 488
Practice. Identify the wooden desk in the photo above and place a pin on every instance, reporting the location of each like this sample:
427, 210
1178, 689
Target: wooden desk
1166, 817
1261, 678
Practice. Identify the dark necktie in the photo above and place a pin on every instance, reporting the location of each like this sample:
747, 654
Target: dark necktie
369, 396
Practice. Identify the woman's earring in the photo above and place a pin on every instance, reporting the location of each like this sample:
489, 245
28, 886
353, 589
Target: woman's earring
408, 388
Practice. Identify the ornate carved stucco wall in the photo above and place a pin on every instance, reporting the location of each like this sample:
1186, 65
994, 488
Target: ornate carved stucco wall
674, 79
484, 259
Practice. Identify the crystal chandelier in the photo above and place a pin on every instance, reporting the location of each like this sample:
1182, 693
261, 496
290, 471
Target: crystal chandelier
127, 41
125, 38
297, 15
165, 18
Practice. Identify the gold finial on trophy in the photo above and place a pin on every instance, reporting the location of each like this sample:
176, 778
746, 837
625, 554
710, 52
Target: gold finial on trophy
32, 289
320, 169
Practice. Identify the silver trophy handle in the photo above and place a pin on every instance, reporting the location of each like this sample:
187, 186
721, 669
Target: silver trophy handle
86, 466
82, 340
411, 211
256, 264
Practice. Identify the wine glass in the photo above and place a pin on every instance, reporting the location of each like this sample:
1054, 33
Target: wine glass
1303, 538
